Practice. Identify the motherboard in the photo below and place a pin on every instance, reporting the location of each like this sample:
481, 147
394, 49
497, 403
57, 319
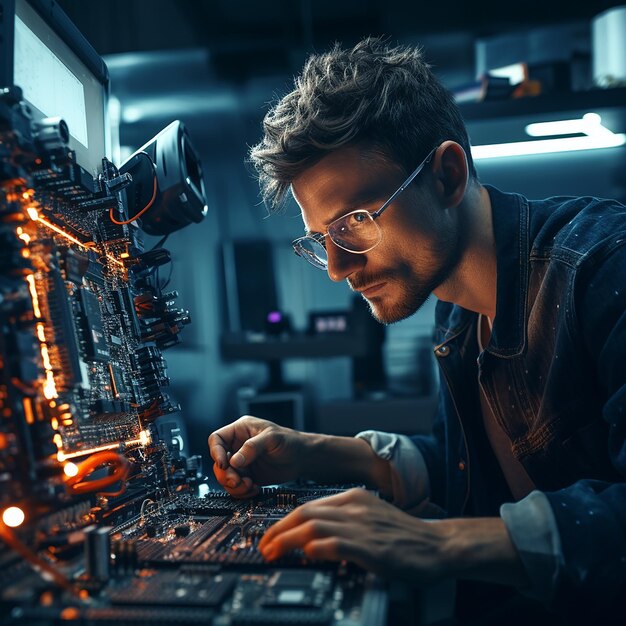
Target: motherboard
103, 520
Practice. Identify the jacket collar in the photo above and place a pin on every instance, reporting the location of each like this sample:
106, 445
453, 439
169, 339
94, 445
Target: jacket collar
511, 232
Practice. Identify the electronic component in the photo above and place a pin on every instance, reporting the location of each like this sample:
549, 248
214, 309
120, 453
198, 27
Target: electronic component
100, 517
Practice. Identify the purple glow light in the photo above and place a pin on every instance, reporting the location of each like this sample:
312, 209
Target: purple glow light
274, 317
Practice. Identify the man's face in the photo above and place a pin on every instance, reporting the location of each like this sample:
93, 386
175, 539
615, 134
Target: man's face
420, 245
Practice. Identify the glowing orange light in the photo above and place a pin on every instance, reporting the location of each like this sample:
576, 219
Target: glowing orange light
49, 387
45, 356
28, 411
60, 457
114, 260
54, 422
33, 294
70, 469
124, 255
73, 455
26, 195
57, 440
61, 232
41, 333
144, 437
13, 516
32, 213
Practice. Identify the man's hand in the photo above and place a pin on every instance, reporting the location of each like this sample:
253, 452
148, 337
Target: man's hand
357, 526
252, 452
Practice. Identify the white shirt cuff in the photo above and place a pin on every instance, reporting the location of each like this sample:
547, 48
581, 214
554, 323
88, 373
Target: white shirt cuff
409, 474
534, 533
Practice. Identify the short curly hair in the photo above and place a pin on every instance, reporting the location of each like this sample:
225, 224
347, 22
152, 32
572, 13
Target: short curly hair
375, 93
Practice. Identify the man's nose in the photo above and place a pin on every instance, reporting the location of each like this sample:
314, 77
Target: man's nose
342, 263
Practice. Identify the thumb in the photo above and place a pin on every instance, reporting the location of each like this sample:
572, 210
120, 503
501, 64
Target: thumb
252, 449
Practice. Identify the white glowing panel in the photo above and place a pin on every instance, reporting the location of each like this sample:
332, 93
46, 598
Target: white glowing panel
47, 83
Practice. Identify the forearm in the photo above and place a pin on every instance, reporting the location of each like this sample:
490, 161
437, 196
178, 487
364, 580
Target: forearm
330, 458
481, 549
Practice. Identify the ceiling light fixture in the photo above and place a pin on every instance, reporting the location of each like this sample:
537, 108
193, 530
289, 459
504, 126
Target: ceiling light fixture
589, 131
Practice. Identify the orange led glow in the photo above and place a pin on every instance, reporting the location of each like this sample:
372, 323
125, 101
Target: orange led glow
28, 410
61, 232
13, 516
124, 255
144, 438
32, 213
57, 440
114, 260
49, 387
26, 195
60, 457
54, 422
45, 356
33, 294
70, 469
71, 613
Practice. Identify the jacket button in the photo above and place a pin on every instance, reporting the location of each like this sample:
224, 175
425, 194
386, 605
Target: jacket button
462, 465
442, 351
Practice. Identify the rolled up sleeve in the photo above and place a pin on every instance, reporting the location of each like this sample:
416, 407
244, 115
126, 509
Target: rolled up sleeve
409, 474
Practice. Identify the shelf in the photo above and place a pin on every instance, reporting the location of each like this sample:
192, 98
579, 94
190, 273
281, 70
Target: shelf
239, 346
505, 121
546, 103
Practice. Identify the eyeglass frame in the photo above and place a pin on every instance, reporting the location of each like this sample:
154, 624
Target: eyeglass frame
319, 238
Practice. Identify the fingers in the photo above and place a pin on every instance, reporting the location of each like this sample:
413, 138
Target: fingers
218, 448
333, 549
252, 449
235, 484
304, 534
306, 517
230, 438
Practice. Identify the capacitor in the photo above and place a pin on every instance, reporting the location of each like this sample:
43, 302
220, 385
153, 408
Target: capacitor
98, 552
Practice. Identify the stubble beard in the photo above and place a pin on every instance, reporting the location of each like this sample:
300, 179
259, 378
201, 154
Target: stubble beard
414, 290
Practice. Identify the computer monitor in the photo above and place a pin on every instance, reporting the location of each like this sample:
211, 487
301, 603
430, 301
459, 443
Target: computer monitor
60, 74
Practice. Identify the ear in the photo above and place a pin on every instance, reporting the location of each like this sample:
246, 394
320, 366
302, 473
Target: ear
451, 173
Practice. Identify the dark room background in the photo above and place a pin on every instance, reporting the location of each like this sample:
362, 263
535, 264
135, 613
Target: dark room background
216, 65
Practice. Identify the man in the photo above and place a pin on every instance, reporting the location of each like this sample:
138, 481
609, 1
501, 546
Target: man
528, 456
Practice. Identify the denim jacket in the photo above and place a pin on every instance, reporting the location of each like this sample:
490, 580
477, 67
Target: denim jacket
554, 374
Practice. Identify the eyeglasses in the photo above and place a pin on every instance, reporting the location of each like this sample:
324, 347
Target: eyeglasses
356, 232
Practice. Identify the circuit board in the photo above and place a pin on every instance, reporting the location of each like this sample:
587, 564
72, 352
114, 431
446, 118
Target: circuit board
102, 519
194, 560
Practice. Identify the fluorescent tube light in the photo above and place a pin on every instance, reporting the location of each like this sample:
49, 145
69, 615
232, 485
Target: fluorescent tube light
594, 136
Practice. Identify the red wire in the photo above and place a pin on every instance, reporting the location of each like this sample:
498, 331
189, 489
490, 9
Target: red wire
77, 484
132, 219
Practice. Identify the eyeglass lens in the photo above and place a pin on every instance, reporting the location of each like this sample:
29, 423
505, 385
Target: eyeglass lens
313, 251
355, 232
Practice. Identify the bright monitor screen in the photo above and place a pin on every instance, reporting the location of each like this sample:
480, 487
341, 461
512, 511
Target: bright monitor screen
55, 82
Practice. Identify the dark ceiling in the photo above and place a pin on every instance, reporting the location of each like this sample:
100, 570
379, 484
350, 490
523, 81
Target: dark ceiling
278, 33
